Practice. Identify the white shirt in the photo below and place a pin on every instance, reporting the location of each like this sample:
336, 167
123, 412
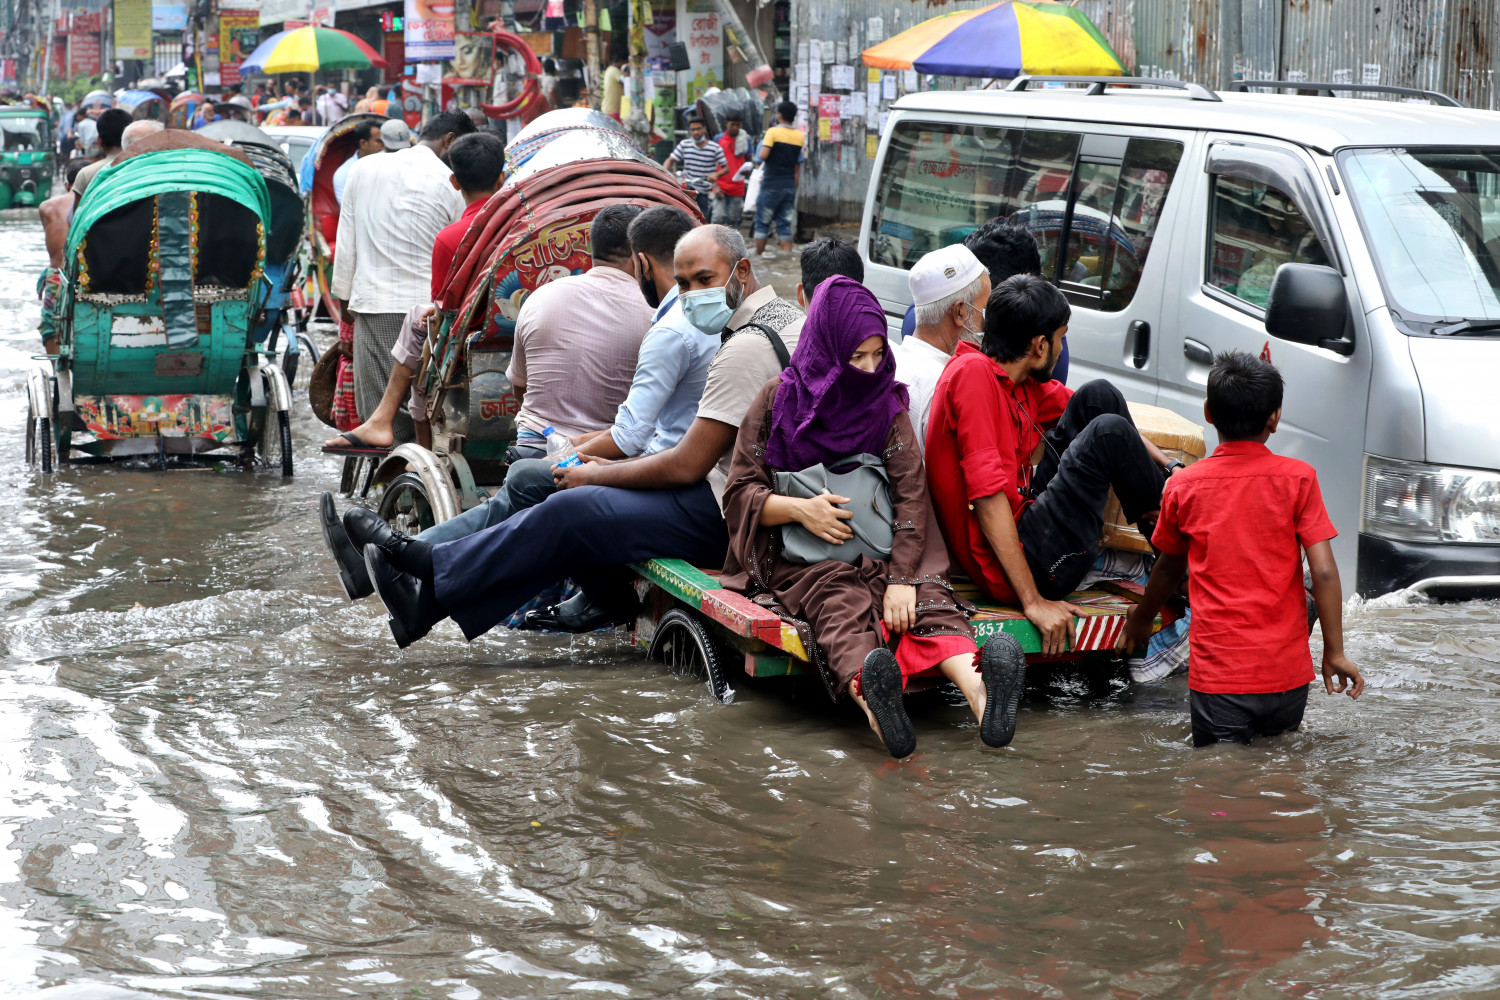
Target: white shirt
919, 364
394, 206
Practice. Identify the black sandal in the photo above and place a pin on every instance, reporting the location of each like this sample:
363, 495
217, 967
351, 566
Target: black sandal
1002, 665
880, 684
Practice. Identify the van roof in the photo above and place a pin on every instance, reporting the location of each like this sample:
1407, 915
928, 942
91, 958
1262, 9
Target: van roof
1323, 123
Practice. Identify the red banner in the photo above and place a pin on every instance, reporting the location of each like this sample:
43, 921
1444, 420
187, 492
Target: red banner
395, 56
84, 55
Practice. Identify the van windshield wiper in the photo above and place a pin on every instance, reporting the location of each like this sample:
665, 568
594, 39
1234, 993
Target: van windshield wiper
1467, 326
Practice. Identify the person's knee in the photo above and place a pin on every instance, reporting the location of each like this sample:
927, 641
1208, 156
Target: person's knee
529, 482
1102, 395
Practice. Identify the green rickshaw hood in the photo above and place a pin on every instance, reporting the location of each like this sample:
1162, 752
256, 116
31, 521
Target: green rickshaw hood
157, 173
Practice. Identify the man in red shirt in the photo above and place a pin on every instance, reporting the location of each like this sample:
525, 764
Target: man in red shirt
1028, 535
478, 164
1239, 521
729, 189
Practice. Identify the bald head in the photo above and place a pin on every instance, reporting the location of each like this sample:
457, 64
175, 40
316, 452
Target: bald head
138, 130
708, 256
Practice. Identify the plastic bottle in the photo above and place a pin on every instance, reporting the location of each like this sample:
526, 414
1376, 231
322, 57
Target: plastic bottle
560, 450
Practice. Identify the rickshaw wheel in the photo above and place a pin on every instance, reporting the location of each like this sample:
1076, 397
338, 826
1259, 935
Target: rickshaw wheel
684, 643
405, 505
284, 423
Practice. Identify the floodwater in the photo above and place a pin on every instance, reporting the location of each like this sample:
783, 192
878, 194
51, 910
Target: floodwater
218, 779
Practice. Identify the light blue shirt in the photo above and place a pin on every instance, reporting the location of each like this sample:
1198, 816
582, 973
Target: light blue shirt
669, 376
341, 176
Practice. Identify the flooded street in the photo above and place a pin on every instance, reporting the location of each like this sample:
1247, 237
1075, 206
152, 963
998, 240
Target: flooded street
221, 779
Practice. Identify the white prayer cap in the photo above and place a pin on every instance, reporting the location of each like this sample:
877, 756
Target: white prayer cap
943, 272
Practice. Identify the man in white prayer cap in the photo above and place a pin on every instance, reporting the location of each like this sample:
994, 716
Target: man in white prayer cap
949, 288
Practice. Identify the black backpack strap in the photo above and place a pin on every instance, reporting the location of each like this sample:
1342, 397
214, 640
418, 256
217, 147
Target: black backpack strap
783, 356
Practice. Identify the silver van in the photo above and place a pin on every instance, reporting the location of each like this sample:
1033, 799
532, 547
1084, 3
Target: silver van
1355, 243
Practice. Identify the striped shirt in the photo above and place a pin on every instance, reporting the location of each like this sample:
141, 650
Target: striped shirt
699, 162
395, 204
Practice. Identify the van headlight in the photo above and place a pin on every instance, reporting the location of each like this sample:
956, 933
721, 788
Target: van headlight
1417, 502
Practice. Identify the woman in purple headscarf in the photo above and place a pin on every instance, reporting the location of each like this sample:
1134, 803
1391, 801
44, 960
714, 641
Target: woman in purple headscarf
839, 397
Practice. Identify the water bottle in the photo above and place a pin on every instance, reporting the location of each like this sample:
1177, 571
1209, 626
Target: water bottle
560, 450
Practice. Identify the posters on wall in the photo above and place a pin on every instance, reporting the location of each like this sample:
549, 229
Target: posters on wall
239, 34
699, 27
133, 29
429, 30
473, 60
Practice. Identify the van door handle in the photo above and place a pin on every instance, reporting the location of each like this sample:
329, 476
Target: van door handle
1197, 352
1140, 333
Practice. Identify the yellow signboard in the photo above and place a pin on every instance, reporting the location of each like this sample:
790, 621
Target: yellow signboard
132, 29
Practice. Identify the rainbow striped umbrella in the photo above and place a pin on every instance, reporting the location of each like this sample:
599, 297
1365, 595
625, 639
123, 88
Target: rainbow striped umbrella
1002, 40
309, 49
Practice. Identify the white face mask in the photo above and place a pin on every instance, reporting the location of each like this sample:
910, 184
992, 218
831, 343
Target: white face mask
972, 334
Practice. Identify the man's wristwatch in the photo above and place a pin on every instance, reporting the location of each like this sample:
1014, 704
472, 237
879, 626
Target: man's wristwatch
1173, 465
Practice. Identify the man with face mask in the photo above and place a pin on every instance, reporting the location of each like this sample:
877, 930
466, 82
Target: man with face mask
1027, 534
662, 505
949, 288
673, 361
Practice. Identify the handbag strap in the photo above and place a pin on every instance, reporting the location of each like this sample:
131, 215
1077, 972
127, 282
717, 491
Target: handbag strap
783, 356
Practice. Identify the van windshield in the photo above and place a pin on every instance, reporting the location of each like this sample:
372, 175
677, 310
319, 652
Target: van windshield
1432, 221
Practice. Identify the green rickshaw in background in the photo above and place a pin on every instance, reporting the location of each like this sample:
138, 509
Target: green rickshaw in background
161, 293
27, 162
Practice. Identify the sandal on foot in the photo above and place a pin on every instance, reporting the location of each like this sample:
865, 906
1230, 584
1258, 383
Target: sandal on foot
1002, 665
880, 683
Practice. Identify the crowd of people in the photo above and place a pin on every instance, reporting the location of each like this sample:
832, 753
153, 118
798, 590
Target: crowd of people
701, 402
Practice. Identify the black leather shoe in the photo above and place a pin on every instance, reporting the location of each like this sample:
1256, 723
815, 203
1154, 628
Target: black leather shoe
365, 527
576, 614
412, 608
348, 557
1002, 665
880, 684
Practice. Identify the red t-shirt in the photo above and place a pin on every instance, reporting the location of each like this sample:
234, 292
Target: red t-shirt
446, 245
981, 432
731, 187
1243, 516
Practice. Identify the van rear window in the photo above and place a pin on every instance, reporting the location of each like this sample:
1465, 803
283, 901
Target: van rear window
941, 181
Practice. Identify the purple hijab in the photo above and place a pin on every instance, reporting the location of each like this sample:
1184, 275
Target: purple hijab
826, 408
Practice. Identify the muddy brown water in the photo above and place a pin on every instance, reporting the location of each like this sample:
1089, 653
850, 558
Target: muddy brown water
219, 779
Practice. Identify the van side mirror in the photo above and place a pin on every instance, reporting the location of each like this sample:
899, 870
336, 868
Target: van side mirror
1308, 305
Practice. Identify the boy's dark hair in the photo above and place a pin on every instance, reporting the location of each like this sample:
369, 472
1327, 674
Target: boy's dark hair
440, 124
1021, 309
608, 235
112, 125
363, 129
1243, 392
1005, 249
733, 115
825, 257
695, 120
655, 231
477, 160
787, 111
75, 167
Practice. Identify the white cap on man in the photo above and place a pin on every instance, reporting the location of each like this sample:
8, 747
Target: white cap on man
943, 272
395, 134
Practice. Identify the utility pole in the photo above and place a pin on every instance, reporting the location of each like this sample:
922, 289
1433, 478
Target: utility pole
637, 124
52, 16
591, 49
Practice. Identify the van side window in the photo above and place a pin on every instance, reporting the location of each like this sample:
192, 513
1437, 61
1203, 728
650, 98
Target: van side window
1255, 229
940, 182
1044, 174
1115, 211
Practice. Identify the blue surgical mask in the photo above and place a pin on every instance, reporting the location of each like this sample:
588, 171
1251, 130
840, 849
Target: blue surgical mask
708, 309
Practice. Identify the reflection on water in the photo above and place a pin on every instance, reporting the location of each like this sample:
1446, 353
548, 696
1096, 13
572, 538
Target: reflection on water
219, 779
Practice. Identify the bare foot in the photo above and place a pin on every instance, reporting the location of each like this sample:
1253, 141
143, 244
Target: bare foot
374, 433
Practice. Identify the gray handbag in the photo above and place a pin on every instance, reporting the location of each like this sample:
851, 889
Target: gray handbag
867, 485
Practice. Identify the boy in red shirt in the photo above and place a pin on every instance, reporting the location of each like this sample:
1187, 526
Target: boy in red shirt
1239, 521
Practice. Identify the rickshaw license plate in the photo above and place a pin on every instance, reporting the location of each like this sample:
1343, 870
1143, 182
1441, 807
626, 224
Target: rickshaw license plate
180, 363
